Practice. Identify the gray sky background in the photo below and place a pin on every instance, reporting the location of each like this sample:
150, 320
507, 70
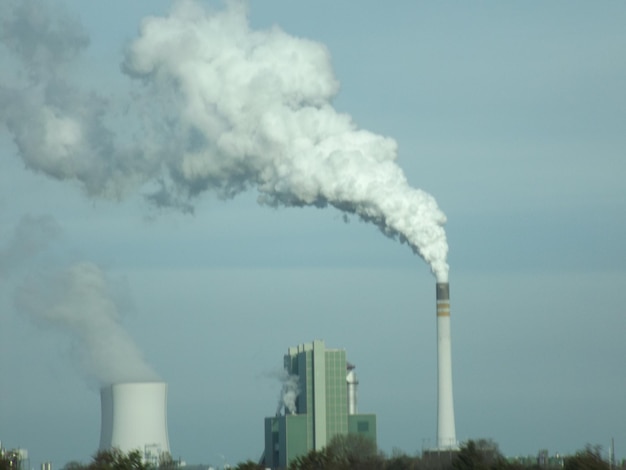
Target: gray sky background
511, 115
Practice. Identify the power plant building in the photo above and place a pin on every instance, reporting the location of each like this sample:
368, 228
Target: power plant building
325, 405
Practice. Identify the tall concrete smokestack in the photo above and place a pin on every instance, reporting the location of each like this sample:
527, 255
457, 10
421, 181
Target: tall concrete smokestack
134, 417
446, 433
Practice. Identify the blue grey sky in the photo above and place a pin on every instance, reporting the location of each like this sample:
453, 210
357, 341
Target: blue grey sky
510, 114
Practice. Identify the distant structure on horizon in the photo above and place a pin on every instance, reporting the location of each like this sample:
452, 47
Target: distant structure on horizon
134, 417
324, 405
17, 459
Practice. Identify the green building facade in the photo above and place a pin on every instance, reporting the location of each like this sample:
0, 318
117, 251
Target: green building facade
321, 408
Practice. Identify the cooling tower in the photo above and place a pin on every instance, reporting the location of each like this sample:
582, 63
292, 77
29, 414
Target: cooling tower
446, 434
134, 417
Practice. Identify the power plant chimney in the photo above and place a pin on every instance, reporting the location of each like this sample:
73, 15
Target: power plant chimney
134, 417
446, 434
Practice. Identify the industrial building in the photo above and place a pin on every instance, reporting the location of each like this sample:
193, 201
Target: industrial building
325, 405
134, 417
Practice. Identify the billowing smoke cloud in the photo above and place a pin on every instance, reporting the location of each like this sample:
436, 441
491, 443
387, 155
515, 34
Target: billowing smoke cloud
58, 128
80, 300
222, 108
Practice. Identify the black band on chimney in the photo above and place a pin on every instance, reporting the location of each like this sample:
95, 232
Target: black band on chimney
443, 291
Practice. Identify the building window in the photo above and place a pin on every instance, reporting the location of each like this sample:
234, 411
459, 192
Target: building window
363, 426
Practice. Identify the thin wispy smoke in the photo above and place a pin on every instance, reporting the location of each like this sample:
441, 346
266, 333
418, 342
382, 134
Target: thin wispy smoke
80, 301
31, 236
44, 42
221, 108
289, 391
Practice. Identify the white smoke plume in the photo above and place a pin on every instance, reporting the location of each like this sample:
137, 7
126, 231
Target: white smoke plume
220, 108
81, 301
289, 393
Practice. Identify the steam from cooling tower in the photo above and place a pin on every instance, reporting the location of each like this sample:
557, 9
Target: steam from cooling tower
31, 236
81, 300
78, 299
218, 107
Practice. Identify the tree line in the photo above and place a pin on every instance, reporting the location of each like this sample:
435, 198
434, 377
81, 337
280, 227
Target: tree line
354, 452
